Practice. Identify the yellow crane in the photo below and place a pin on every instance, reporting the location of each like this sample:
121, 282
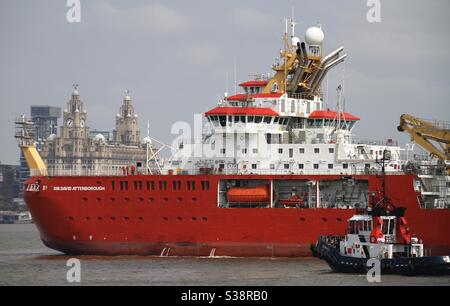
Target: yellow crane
423, 132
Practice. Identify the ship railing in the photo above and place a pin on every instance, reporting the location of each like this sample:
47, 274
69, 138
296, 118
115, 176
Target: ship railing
375, 142
224, 171
209, 171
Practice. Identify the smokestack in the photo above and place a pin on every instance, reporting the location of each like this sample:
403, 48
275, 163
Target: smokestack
320, 77
330, 57
299, 71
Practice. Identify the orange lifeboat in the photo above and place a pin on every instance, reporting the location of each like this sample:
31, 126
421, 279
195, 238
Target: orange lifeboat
258, 194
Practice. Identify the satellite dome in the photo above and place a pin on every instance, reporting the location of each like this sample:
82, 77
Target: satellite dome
127, 98
148, 140
51, 137
314, 36
99, 137
295, 40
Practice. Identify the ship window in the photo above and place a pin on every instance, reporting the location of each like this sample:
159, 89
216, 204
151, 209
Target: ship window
243, 119
316, 150
291, 153
276, 120
316, 166
230, 118
331, 150
223, 120
236, 118
113, 185
205, 185
302, 150
330, 166
300, 166
280, 151
286, 166
251, 118
258, 119
345, 166
267, 119
254, 166
138, 185
255, 151
123, 185
352, 227
162, 185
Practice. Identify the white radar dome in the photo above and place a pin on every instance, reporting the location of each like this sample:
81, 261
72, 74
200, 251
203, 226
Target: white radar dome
314, 36
295, 40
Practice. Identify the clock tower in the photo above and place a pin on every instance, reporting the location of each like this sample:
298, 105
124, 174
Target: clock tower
74, 132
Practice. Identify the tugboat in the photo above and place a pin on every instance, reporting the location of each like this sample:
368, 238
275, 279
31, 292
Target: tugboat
380, 232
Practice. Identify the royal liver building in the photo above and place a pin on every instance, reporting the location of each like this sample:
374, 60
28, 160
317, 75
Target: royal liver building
77, 152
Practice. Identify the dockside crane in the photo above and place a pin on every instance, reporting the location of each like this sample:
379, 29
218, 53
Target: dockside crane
424, 132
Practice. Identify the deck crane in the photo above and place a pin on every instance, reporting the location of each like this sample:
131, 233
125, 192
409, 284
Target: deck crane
423, 132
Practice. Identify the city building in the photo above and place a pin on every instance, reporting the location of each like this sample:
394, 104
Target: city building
45, 119
79, 151
9, 184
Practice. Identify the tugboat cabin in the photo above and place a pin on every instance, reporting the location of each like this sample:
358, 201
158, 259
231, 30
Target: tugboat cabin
380, 236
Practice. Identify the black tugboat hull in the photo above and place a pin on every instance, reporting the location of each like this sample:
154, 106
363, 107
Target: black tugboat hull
428, 265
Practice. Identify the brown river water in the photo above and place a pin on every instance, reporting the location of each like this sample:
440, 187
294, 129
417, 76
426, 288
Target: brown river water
24, 260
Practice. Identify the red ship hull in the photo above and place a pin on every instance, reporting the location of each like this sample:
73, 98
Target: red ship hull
102, 220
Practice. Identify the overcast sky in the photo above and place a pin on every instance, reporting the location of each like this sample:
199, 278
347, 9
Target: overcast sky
175, 56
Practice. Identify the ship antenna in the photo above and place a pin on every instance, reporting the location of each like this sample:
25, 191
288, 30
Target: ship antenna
285, 53
235, 76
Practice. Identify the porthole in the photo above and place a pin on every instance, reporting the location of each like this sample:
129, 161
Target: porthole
302, 219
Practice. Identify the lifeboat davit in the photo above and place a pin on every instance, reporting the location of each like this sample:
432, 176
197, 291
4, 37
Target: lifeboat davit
258, 194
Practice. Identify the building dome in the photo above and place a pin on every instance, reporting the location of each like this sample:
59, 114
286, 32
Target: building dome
51, 137
314, 36
100, 138
148, 140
